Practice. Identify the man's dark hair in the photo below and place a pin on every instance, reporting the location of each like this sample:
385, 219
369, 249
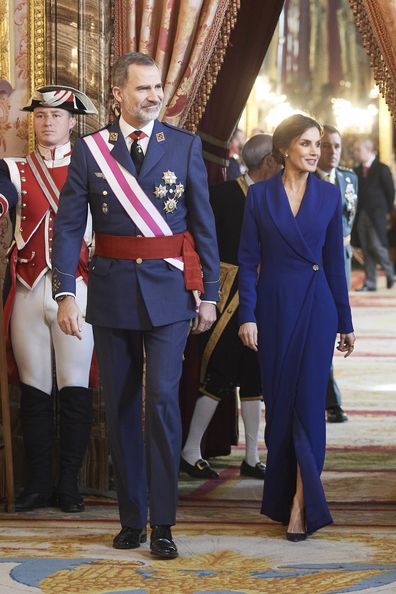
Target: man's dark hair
331, 129
120, 68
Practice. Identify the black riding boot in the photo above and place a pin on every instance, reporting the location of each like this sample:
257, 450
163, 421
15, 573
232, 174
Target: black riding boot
75, 427
37, 421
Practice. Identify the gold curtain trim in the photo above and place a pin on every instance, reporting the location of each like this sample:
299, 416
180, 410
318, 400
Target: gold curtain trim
37, 64
119, 13
206, 79
378, 44
213, 140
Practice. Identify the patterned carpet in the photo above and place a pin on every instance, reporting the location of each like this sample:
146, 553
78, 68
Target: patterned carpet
225, 545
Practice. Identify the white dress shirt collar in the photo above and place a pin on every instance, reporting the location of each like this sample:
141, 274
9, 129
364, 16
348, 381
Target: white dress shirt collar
327, 174
127, 129
370, 161
248, 179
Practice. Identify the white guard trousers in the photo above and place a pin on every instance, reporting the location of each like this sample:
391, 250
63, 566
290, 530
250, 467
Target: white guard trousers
36, 338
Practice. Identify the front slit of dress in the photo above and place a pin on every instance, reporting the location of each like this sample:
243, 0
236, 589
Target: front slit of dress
287, 441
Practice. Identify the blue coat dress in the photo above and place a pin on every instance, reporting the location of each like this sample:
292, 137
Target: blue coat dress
300, 302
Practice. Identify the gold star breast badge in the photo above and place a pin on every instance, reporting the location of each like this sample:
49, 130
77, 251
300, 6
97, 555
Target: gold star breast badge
169, 177
170, 205
160, 191
179, 189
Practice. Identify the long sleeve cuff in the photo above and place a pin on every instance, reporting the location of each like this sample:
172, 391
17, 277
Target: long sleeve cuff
63, 283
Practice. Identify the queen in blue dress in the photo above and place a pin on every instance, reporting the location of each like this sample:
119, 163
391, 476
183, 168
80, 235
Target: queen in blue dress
293, 302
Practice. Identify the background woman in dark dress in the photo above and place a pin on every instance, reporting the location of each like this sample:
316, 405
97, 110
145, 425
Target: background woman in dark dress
291, 312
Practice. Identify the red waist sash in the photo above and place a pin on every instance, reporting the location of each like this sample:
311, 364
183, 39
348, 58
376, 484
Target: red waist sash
123, 247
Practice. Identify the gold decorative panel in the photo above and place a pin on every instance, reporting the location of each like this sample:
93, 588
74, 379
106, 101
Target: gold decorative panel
5, 42
37, 42
78, 52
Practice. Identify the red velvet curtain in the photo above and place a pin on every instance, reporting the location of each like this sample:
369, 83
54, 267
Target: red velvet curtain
247, 47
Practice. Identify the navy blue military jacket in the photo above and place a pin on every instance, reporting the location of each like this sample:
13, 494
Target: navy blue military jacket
348, 184
118, 289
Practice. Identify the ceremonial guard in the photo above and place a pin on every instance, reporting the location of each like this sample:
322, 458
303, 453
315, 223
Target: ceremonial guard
226, 363
329, 169
155, 244
32, 185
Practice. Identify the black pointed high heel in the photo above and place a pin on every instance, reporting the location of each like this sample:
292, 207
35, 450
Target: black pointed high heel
296, 536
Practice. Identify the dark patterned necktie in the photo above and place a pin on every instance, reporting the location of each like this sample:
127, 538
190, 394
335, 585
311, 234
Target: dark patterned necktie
136, 151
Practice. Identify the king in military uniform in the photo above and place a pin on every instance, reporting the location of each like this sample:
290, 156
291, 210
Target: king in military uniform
155, 248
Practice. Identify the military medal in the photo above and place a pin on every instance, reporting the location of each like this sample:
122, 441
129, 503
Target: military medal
171, 190
170, 205
179, 190
160, 191
169, 177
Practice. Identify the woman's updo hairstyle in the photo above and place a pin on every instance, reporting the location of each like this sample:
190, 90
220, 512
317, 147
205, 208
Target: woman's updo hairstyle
289, 129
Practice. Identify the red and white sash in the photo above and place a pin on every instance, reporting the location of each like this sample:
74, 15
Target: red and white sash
44, 179
129, 193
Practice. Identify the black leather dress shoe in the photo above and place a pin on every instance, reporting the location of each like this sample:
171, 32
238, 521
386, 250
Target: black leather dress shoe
365, 288
71, 505
201, 469
30, 501
130, 538
257, 471
390, 281
336, 415
162, 544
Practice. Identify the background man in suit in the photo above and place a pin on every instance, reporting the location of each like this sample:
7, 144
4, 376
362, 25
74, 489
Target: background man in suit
226, 363
32, 184
138, 300
376, 198
329, 169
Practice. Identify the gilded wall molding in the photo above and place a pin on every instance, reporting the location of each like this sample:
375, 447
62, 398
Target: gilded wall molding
4, 40
7, 40
37, 44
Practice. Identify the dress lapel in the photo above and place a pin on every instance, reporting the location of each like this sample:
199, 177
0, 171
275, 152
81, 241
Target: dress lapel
118, 148
156, 148
281, 213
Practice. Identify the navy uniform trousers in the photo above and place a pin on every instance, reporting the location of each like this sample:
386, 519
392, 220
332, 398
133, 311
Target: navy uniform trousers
122, 382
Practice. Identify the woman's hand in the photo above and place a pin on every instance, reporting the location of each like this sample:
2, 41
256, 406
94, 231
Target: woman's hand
346, 344
248, 334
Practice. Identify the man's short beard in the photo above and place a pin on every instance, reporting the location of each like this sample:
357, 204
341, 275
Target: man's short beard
148, 114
